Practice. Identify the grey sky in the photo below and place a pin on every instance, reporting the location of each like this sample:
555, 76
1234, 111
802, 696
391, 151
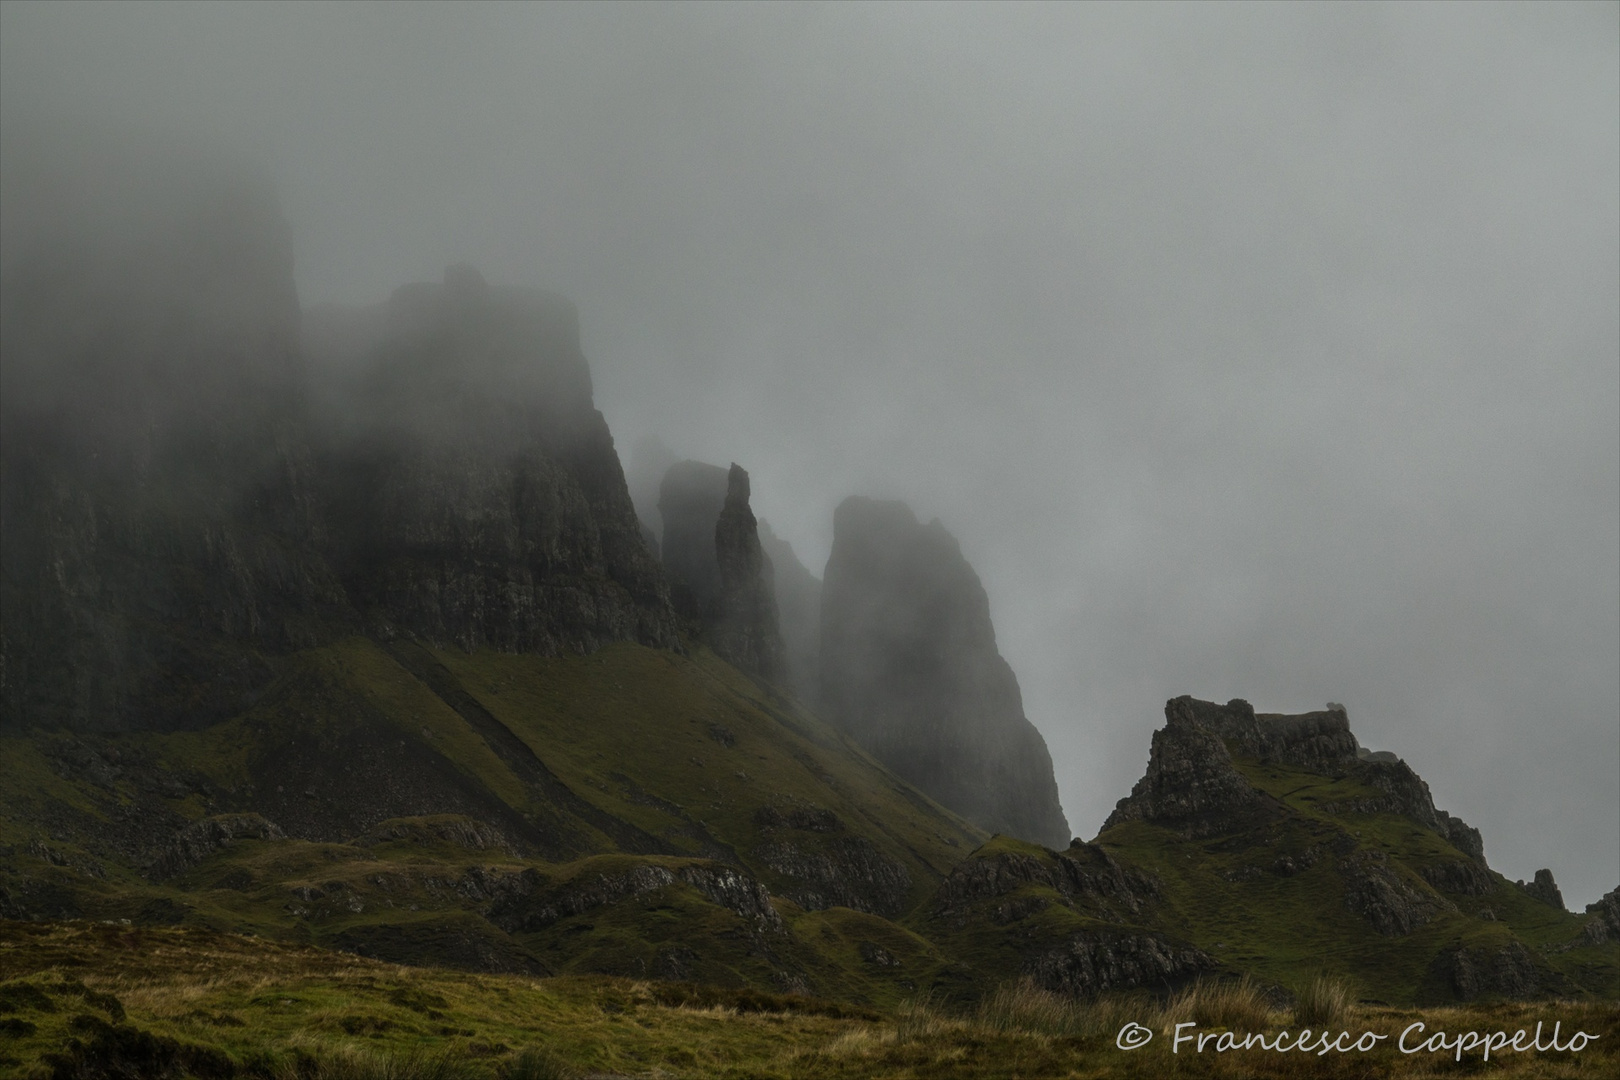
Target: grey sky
1269, 352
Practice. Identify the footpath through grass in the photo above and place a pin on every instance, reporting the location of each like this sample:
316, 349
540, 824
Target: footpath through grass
87, 1000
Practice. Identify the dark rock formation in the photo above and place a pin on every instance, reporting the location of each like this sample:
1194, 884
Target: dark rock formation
909, 668
846, 871
1458, 876
1386, 897
720, 578
1095, 962
689, 503
798, 611
1545, 889
480, 501
1604, 924
1319, 741
1083, 875
1191, 784
201, 839
183, 502
1507, 971
745, 630
159, 525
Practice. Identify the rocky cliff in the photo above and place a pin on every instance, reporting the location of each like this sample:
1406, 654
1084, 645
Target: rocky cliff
798, 612
474, 496
721, 581
909, 668
161, 526
185, 500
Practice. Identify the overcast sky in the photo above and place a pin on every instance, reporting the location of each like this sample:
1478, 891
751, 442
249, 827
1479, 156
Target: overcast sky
1267, 352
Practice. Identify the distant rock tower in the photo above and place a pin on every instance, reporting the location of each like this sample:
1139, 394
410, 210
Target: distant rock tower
720, 578
909, 668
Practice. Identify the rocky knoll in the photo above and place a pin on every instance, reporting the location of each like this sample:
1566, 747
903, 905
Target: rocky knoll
909, 668
1191, 784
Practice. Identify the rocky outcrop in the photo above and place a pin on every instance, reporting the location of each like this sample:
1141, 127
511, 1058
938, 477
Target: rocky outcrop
1382, 894
1092, 963
843, 871
201, 839
1545, 889
1084, 875
1191, 785
1463, 877
798, 611
1604, 924
745, 629
690, 499
1507, 971
1319, 741
721, 581
910, 670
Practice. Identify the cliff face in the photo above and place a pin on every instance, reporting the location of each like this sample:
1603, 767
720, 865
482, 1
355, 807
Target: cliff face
909, 668
798, 610
183, 503
160, 526
478, 500
746, 631
720, 578
690, 499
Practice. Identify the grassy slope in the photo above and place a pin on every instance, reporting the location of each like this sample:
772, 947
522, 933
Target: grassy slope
267, 1007
684, 749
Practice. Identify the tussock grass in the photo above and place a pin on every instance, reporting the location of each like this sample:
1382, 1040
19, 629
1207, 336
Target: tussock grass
1234, 1004
1325, 1000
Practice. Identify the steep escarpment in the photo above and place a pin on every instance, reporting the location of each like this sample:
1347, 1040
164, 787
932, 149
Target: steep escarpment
161, 525
798, 608
198, 481
909, 668
473, 495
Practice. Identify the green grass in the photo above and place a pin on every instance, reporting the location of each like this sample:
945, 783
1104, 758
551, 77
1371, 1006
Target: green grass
247, 1007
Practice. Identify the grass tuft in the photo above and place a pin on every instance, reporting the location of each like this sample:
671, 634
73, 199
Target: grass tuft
1234, 1004
1324, 1000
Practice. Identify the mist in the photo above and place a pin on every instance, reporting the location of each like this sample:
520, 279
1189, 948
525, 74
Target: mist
1262, 352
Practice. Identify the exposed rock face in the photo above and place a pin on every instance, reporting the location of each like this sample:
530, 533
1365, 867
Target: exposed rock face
745, 631
689, 502
1092, 963
1383, 895
160, 528
1545, 889
479, 502
1604, 925
183, 503
798, 611
1319, 741
720, 578
909, 668
1508, 971
1191, 784
1082, 874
